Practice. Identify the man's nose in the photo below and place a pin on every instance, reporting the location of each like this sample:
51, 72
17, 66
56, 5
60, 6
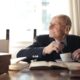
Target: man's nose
51, 26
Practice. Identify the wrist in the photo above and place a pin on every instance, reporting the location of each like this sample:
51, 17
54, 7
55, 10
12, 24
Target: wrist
44, 51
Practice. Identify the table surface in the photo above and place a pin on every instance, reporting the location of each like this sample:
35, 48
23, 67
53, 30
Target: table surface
22, 72
27, 74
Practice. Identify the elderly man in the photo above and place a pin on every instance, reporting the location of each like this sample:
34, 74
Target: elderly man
49, 47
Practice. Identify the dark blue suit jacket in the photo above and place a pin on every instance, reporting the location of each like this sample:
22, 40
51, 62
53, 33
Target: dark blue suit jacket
34, 50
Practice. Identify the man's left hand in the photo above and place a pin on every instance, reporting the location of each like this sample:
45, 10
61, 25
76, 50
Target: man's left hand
76, 54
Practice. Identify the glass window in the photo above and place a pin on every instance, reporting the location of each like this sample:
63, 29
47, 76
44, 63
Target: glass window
22, 16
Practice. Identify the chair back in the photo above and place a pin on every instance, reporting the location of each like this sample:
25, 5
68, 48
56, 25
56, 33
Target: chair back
4, 43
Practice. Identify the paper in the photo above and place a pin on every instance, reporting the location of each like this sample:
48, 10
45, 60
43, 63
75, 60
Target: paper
16, 60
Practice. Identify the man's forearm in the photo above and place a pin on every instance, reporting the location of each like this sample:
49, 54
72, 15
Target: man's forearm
31, 53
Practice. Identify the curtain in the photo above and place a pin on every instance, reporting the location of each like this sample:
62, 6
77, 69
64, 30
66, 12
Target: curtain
75, 16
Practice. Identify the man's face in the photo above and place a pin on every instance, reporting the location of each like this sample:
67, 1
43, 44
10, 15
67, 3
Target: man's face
57, 28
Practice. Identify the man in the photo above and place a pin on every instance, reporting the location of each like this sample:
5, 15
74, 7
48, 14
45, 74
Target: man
49, 47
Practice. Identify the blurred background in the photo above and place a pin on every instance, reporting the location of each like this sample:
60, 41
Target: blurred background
21, 17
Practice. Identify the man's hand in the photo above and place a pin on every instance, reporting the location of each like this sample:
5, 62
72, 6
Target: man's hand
76, 54
53, 46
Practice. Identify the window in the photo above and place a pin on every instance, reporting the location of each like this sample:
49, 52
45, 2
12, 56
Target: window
30, 14
22, 16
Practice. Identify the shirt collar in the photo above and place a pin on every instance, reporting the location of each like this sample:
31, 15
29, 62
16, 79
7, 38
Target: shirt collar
63, 41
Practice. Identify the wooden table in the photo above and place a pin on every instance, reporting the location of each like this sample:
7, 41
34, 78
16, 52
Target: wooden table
26, 74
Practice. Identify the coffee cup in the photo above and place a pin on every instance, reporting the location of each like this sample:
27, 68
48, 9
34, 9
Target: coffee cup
66, 57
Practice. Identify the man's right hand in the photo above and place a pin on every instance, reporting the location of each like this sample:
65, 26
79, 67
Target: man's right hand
53, 46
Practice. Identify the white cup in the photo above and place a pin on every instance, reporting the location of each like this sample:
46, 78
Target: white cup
66, 57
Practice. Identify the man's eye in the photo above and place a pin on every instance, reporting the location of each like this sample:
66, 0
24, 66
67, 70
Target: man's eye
51, 26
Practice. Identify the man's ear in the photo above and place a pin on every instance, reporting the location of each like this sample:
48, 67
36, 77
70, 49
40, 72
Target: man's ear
67, 29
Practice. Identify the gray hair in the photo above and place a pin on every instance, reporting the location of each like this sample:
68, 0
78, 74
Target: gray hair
65, 19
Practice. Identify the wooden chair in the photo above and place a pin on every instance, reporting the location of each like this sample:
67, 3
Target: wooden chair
4, 43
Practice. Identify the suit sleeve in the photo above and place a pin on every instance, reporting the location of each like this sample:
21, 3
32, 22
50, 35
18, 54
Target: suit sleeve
34, 51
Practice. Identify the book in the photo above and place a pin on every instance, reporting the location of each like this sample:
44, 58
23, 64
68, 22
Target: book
44, 65
73, 65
